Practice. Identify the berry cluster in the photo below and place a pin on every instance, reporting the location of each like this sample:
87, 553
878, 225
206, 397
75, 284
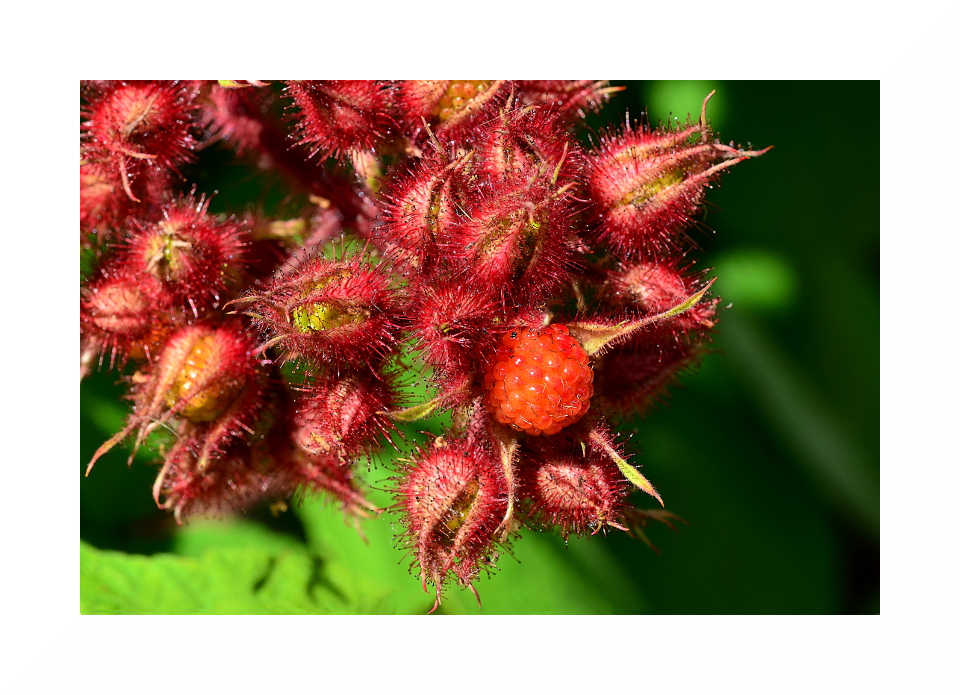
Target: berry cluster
546, 289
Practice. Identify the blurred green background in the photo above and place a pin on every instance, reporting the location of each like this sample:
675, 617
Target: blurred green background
770, 451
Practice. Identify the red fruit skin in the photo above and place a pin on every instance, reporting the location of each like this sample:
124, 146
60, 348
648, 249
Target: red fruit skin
539, 380
452, 497
335, 117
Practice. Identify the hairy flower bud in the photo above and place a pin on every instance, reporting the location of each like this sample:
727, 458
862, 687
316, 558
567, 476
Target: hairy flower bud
654, 288
452, 497
205, 375
341, 414
572, 99
335, 117
196, 257
453, 323
572, 491
104, 203
342, 312
140, 120
449, 106
514, 240
203, 381
123, 314
330, 476
246, 469
645, 186
421, 206
527, 146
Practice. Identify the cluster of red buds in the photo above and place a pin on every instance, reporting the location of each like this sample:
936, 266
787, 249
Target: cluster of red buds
545, 290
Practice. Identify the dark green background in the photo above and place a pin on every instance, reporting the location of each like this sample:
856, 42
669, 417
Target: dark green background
770, 451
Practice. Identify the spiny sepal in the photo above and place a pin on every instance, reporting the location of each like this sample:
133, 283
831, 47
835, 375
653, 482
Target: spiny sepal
595, 336
601, 439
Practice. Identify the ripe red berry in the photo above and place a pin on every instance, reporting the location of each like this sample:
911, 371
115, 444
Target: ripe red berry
539, 381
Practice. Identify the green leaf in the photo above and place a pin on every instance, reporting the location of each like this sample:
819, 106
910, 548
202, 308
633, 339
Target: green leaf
221, 581
581, 577
200, 535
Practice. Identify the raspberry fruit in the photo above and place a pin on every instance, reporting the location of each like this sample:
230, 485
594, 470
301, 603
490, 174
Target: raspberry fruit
539, 380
